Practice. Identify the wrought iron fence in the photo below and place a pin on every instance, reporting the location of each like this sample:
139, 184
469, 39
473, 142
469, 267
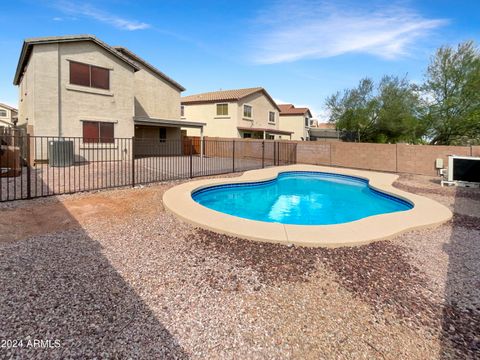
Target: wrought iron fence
37, 166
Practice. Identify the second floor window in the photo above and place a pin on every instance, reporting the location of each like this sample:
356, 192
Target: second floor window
271, 117
3, 113
98, 132
182, 110
247, 111
307, 122
222, 109
89, 75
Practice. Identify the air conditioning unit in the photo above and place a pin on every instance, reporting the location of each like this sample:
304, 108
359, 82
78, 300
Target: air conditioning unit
60, 153
464, 170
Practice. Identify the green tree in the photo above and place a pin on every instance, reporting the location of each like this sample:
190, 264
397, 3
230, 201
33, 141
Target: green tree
400, 109
388, 113
452, 89
355, 111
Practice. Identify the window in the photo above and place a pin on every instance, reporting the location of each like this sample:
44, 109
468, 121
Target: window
271, 117
98, 132
182, 110
247, 111
222, 109
162, 132
3, 113
307, 122
247, 135
89, 75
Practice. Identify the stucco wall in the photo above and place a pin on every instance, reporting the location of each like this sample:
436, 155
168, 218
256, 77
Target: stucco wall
224, 126
154, 97
295, 123
261, 108
77, 103
8, 115
80, 103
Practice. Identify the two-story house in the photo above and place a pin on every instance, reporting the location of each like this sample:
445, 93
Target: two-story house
296, 120
240, 113
8, 115
79, 86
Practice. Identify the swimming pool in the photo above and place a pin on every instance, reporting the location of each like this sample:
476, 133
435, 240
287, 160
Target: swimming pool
381, 209
301, 198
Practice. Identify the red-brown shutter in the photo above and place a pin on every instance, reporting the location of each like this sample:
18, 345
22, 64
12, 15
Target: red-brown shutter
106, 132
79, 74
90, 132
100, 78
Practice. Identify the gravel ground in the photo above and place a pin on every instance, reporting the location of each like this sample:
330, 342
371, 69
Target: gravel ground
112, 275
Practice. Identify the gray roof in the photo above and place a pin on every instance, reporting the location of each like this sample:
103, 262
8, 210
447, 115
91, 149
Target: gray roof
135, 58
29, 43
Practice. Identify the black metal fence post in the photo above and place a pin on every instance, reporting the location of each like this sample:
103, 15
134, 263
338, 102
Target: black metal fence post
191, 158
233, 155
133, 161
29, 170
263, 154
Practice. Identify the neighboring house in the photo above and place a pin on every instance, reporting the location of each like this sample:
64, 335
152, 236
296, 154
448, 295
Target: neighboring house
240, 113
79, 86
296, 120
8, 115
324, 132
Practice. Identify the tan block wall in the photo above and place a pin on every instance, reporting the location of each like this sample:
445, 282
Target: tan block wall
310, 152
476, 151
420, 159
401, 158
379, 157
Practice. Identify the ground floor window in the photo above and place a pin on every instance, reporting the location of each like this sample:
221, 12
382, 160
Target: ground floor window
247, 135
98, 132
269, 137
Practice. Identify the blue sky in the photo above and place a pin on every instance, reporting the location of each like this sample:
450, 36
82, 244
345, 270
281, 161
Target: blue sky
300, 51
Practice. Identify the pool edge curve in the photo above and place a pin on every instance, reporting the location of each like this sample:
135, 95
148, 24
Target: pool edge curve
425, 213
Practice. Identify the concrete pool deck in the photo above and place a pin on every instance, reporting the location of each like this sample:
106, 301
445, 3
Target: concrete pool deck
425, 212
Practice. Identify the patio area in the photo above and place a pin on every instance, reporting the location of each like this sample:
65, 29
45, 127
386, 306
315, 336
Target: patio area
112, 274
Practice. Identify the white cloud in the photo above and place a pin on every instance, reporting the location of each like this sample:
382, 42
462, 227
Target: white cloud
87, 10
319, 29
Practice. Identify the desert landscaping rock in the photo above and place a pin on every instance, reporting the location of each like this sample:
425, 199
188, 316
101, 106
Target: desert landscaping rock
112, 275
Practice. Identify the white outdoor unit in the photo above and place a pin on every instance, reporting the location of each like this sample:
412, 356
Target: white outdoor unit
464, 170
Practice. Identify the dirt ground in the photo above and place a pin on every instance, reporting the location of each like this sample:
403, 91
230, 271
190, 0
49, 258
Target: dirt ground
111, 274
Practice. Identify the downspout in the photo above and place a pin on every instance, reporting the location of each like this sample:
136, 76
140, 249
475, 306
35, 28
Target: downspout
59, 90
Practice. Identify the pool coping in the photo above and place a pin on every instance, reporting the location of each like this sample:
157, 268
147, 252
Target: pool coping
425, 213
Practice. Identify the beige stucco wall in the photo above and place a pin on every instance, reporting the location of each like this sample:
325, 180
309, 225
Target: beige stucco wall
226, 126
222, 126
155, 97
26, 95
261, 107
9, 114
49, 63
295, 123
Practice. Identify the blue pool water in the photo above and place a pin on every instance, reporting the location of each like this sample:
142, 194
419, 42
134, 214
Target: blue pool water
302, 198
